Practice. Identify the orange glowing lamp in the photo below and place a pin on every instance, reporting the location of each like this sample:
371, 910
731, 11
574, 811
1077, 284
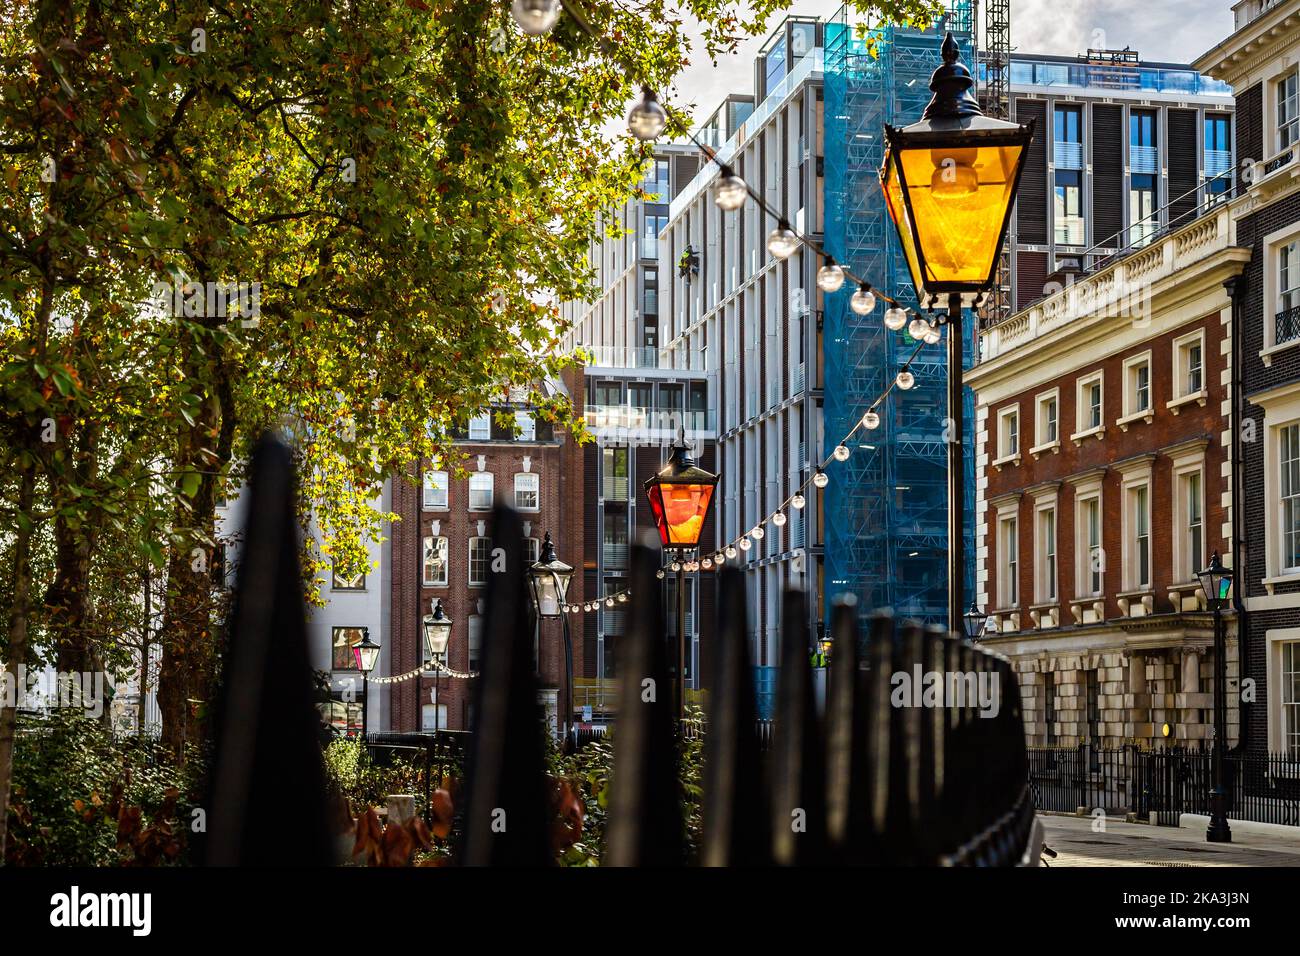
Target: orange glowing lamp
680, 496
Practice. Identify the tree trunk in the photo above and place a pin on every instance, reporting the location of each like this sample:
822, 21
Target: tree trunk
16, 656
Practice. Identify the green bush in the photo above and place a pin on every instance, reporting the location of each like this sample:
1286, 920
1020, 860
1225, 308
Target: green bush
82, 797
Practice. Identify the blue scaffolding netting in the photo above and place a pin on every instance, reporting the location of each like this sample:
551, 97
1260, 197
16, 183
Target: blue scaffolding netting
886, 537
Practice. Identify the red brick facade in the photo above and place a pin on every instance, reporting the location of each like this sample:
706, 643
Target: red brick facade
1168, 428
558, 463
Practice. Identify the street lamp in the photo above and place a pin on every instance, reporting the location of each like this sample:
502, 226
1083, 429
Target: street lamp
1216, 580
366, 654
974, 621
680, 496
437, 635
949, 182
549, 578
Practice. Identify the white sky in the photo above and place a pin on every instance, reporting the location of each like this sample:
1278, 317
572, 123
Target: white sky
1175, 31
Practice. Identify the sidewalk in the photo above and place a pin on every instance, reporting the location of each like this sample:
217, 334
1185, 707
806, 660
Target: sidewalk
1137, 844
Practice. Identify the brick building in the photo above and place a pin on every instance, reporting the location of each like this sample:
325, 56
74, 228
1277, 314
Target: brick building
1261, 60
1102, 455
537, 469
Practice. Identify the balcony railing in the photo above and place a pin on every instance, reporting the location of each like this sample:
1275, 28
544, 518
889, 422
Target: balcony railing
1287, 325
1067, 155
1217, 161
1144, 159
632, 356
1069, 230
647, 419
614, 487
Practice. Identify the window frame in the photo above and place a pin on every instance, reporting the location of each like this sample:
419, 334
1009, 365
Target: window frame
482, 424
433, 539
335, 584
526, 432
1046, 552
536, 480
1008, 435
1134, 365
1181, 351
1008, 551
1042, 442
480, 476
351, 665
486, 560
427, 488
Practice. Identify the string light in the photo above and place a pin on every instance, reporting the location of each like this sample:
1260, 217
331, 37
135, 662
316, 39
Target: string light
863, 301
830, 276
917, 328
931, 336
841, 453
535, 17
731, 551
820, 479
647, 119
895, 319
905, 379
757, 533
779, 519
871, 420
730, 192
782, 241
797, 501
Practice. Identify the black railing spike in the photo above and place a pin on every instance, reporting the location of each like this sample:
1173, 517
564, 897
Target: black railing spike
646, 822
507, 817
846, 756
267, 729
798, 768
875, 688
735, 815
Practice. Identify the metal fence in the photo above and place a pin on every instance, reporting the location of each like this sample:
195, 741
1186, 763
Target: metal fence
916, 779
1160, 785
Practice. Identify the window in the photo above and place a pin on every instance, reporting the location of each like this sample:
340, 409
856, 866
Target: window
1139, 571
480, 491
435, 562
527, 426
1218, 155
1045, 573
1289, 484
475, 632
436, 491
480, 427
1137, 387
1049, 706
1287, 320
433, 717
1068, 132
355, 583
532, 550
650, 236
1290, 698
342, 640
1193, 512
1008, 586
1068, 207
1046, 427
480, 558
1089, 403
1091, 551
1288, 117
1143, 219
1093, 698
1189, 365
527, 491
1008, 433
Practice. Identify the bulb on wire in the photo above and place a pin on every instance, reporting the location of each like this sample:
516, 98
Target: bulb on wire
744, 544
757, 533
895, 319
731, 551
905, 379
535, 17
719, 558
863, 301
622, 596
660, 574
676, 565
778, 519
917, 328
841, 453
730, 192
871, 420
820, 479
609, 602
797, 502
830, 276
647, 118
932, 336
781, 241
707, 564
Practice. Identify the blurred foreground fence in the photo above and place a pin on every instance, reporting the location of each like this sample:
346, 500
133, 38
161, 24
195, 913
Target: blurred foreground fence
1160, 785
919, 758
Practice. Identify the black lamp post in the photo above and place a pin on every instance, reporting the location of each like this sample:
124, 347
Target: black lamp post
680, 496
974, 621
366, 654
549, 578
949, 182
437, 636
1217, 583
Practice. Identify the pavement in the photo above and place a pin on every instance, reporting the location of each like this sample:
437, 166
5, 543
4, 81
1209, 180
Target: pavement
1080, 841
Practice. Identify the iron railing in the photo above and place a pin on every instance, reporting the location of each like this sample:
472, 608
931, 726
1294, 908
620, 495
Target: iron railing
1159, 786
1286, 325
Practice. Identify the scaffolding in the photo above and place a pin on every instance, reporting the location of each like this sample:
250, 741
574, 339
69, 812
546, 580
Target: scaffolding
886, 535
995, 75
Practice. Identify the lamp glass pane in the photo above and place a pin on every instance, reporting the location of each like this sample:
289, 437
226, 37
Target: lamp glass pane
679, 511
548, 598
897, 210
959, 198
